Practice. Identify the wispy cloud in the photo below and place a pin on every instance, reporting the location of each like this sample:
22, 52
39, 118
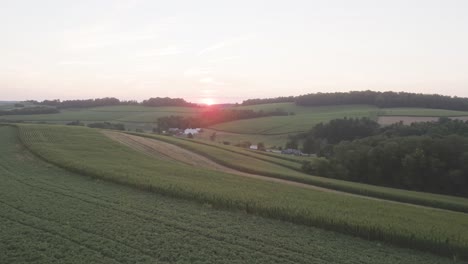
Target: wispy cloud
198, 72
223, 59
221, 44
210, 80
78, 62
170, 50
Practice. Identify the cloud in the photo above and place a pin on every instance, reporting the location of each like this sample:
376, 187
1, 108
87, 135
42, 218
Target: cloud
107, 32
197, 71
170, 50
78, 62
209, 80
223, 59
221, 45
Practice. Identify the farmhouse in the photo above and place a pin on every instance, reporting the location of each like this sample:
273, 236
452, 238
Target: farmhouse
253, 147
192, 131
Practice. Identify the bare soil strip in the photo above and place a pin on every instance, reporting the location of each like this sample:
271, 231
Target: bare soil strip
166, 151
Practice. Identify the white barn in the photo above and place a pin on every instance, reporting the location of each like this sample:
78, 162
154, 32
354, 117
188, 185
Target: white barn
192, 131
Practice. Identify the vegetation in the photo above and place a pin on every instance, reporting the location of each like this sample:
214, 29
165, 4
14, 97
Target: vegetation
166, 101
254, 162
212, 116
37, 110
49, 215
107, 125
111, 101
428, 157
303, 120
89, 152
379, 99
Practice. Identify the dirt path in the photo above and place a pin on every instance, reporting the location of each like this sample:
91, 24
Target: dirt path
166, 151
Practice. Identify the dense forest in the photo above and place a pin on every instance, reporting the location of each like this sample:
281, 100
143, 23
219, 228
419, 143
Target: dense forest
213, 116
430, 156
380, 99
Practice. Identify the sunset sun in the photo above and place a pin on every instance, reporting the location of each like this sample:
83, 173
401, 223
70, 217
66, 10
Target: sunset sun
208, 101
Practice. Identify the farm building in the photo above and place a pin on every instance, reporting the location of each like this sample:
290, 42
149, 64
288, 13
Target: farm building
253, 147
192, 131
292, 152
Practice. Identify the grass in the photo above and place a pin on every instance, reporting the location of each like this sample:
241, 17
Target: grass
272, 131
235, 138
49, 215
89, 152
254, 162
139, 114
304, 119
422, 112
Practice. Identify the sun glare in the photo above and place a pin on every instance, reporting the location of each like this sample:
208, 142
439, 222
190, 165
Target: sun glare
208, 101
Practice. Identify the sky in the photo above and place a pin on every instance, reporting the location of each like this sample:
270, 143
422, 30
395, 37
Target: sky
228, 51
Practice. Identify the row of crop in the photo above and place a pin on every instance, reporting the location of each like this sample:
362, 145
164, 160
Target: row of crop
180, 225
93, 154
417, 198
290, 163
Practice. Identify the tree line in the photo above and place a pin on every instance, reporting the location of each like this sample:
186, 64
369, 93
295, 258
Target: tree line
213, 116
379, 99
429, 157
111, 101
36, 110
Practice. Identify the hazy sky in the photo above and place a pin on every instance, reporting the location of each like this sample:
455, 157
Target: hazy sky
230, 50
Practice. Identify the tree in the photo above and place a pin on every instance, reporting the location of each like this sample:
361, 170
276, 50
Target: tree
189, 135
213, 136
261, 146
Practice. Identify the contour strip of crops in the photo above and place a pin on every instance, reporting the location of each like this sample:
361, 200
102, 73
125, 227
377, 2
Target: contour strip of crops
440, 232
424, 199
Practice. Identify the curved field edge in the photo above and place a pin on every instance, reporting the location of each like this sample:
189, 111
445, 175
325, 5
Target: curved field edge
451, 203
182, 226
89, 152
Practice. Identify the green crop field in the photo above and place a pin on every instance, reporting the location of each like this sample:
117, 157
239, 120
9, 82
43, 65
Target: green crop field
50, 215
278, 167
108, 113
303, 119
422, 112
89, 152
272, 131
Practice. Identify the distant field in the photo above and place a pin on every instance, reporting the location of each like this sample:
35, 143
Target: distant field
303, 119
422, 112
407, 120
87, 151
272, 131
235, 138
50, 215
108, 113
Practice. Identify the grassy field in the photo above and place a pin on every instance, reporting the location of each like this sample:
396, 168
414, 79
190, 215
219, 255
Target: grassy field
49, 215
278, 167
235, 138
303, 119
272, 131
422, 112
139, 114
306, 117
89, 152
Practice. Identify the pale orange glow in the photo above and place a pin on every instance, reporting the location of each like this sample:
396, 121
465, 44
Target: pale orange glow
208, 101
